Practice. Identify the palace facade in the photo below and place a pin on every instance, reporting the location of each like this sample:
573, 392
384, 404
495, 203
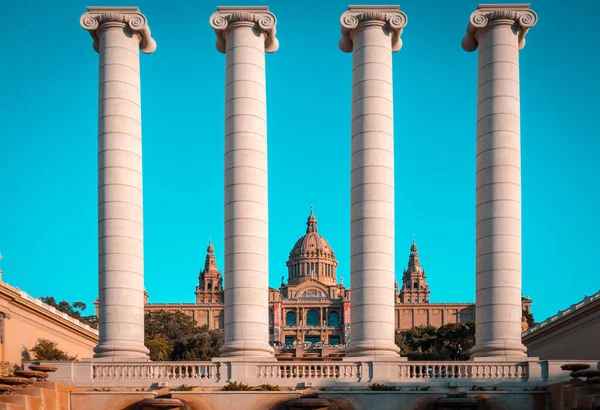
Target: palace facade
314, 306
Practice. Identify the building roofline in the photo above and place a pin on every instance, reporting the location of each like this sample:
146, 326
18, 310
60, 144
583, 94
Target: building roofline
575, 307
27, 300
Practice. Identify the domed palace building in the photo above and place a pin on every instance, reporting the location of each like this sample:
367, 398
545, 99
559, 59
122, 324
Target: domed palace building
313, 307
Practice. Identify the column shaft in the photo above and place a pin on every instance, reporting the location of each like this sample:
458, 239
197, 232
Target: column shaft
498, 196
372, 261
246, 184
120, 205
498, 31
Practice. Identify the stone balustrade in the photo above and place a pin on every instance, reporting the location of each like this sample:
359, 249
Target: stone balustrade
323, 373
309, 371
562, 313
463, 371
51, 309
182, 371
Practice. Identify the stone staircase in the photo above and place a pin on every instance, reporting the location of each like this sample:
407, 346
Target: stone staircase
29, 390
582, 392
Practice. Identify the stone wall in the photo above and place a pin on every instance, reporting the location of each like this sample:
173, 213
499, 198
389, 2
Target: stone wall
24, 319
569, 335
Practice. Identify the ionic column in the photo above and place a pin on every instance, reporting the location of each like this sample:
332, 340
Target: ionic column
372, 34
244, 34
499, 32
119, 33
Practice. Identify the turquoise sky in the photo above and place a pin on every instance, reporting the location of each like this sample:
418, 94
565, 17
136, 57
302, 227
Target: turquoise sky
48, 146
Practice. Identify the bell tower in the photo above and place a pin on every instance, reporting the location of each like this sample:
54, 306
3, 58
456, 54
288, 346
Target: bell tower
414, 281
210, 287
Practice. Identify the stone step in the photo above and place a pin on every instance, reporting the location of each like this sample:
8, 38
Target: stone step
29, 402
589, 401
10, 406
63, 393
48, 396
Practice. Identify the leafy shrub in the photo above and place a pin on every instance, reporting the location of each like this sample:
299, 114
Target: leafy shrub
268, 387
7, 368
235, 386
45, 349
383, 387
421, 388
183, 387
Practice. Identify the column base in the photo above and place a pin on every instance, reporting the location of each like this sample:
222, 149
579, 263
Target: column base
498, 350
247, 350
373, 350
119, 351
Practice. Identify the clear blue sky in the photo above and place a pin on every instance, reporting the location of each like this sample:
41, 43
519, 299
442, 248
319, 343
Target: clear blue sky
48, 146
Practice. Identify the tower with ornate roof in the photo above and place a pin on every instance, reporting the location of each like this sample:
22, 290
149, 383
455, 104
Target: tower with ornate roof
210, 287
312, 257
414, 280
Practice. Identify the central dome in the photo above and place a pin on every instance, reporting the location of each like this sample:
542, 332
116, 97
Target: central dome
311, 257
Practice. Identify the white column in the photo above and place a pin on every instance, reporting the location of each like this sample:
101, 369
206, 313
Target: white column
244, 34
118, 34
372, 33
499, 32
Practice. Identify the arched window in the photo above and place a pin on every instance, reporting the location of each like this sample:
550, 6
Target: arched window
290, 319
312, 318
333, 319
209, 285
415, 285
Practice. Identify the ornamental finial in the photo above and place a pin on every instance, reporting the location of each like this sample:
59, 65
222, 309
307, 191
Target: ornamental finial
519, 15
129, 18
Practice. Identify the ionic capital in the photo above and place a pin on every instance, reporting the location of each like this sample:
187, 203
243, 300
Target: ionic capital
356, 16
130, 18
487, 15
259, 17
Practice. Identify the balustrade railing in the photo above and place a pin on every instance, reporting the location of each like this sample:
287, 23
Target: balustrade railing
319, 373
156, 371
332, 371
463, 370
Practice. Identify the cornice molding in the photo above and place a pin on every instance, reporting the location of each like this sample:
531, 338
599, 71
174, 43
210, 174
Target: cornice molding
488, 15
129, 18
259, 17
357, 16
21, 299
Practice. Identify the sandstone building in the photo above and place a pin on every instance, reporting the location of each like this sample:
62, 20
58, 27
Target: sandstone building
314, 306
25, 319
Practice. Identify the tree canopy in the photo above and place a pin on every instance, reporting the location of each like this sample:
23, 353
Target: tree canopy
74, 310
175, 336
45, 349
449, 342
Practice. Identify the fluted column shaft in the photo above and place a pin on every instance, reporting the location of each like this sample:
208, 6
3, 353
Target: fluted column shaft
246, 183
120, 215
498, 186
372, 37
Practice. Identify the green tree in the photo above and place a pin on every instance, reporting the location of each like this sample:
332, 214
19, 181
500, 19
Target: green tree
175, 336
45, 349
74, 310
529, 318
450, 342
160, 349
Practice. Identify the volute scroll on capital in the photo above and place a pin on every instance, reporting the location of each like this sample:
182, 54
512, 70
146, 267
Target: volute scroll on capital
129, 18
261, 17
393, 18
519, 15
